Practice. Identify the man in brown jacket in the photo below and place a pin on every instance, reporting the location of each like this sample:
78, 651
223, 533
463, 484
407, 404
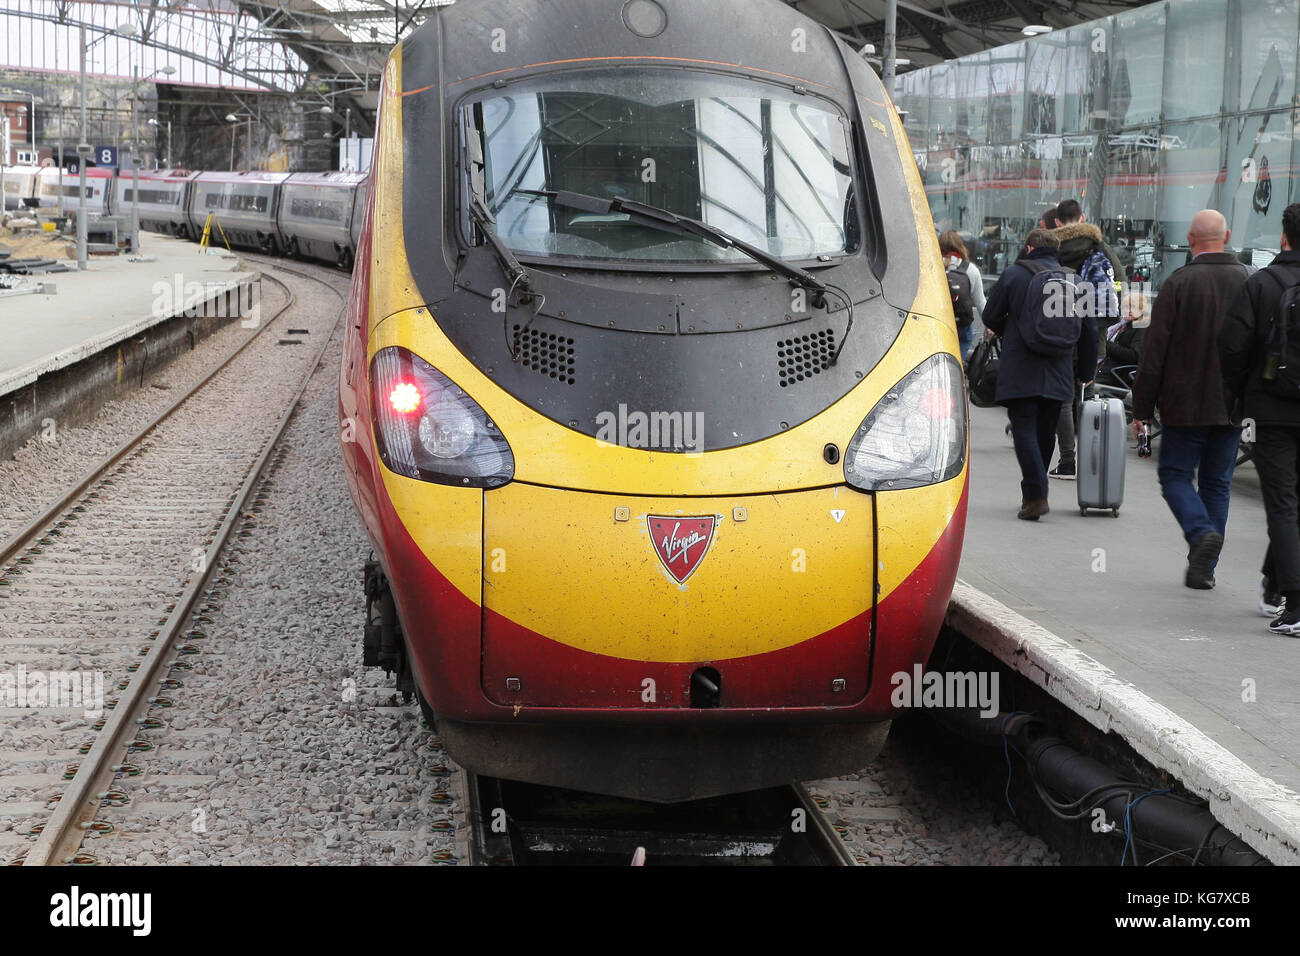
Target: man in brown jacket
1179, 371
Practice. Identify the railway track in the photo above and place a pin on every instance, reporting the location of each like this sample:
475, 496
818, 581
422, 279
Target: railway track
130, 555
520, 824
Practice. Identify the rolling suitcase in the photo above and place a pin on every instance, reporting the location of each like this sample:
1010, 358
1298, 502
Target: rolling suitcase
1100, 469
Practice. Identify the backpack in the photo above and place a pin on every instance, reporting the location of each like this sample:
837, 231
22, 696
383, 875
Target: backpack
1049, 320
963, 309
1282, 352
1097, 271
982, 373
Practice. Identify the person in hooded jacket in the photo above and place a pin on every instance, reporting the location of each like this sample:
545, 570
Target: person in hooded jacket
1078, 239
1031, 385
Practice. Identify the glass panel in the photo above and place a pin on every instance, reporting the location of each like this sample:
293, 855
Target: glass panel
1137, 66
1129, 192
1056, 168
913, 96
1049, 75
1191, 157
1266, 55
1259, 180
1087, 82
943, 105
1194, 51
998, 172
973, 97
1007, 93
947, 195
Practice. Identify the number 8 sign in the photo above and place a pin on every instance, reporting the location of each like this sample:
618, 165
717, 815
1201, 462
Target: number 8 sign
106, 155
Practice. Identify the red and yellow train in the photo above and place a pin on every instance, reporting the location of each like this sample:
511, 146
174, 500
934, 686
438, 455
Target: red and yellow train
651, 397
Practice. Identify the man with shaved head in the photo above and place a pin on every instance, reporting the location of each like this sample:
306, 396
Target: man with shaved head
1180, 374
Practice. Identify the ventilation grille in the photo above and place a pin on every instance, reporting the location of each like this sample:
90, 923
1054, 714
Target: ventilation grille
803, 357
546, 354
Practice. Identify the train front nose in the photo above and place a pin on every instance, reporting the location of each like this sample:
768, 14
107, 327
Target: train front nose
614, 601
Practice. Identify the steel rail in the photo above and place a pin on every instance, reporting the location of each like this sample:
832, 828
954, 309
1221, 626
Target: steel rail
498, 836
33, 530
77, 807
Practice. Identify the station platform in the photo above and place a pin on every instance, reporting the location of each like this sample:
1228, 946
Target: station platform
1094, 608
112, 300
66, 352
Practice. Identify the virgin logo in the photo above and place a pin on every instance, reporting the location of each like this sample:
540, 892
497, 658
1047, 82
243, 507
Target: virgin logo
681, 543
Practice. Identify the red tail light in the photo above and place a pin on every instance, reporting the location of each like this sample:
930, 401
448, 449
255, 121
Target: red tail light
405, 398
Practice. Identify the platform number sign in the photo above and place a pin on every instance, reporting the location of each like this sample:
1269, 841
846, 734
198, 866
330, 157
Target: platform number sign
74, 166
106, 155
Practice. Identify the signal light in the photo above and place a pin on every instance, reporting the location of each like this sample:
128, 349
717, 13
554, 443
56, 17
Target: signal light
405, 398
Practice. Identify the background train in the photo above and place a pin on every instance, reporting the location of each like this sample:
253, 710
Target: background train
314, 215
586, 234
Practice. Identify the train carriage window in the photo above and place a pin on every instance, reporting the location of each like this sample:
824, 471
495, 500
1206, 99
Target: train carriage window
767, 165
315, 207
159, 197
243, 201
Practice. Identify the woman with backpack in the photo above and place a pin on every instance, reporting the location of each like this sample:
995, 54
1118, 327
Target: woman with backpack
965, 284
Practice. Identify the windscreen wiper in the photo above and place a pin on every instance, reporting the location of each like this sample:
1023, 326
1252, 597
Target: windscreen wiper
659, 218
510, 264
669, 221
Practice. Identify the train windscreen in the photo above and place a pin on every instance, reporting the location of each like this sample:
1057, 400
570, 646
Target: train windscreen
768, 165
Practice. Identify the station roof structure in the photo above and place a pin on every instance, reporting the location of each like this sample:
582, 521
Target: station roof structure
930, 31
331, 52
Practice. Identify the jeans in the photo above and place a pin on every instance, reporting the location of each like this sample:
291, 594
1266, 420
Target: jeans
1277, 449
964, 336
1033, 430
1065, 425
1195, 473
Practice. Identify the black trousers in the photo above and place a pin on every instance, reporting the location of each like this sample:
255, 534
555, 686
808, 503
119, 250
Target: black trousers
1033, 430
1277, 460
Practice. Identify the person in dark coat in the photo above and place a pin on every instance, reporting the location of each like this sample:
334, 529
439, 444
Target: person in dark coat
1078, 240
1033, 386
1243, 349
1180, 372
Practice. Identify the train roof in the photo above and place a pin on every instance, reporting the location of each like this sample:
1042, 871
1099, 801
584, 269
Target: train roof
474, 43
92, 172
169, 175
325, 179
249, 176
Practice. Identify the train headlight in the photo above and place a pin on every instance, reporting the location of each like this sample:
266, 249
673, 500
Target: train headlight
426, 427
916, 434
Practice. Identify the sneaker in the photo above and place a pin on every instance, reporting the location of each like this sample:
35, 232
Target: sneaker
1200, 561
1065, 472
1033, 510
1288, 623
1270, 602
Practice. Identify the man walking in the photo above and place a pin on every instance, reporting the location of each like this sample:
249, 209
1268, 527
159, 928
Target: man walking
1259, 378
1031, 307
1083, 250
1179, 371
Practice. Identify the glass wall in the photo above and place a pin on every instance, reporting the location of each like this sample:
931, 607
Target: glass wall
1145, 117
